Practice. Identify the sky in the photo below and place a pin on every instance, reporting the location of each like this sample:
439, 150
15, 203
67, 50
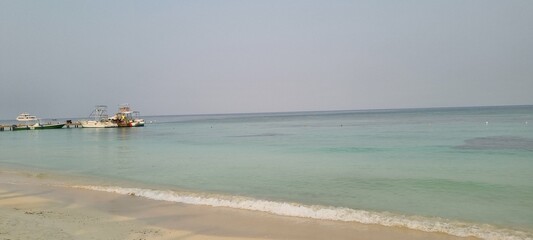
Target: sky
61, 58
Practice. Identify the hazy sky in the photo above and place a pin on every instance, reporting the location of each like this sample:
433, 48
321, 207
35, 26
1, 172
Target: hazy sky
60, 58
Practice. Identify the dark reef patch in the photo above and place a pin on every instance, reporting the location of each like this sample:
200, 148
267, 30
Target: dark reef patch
498, 142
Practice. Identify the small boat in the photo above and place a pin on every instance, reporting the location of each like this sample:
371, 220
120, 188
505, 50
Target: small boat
137, 121
25, 117
39, 126
127, 118
99, 114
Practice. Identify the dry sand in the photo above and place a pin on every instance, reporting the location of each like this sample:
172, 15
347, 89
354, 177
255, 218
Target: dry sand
38, 208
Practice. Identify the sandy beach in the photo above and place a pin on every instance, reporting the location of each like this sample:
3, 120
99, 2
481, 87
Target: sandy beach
36, 207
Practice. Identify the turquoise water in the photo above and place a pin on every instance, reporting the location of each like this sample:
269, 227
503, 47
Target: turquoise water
464, 171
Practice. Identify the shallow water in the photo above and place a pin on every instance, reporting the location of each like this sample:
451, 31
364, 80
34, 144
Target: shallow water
419, 168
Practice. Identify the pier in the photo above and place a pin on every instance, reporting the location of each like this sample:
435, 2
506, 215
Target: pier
3, 128
19, 127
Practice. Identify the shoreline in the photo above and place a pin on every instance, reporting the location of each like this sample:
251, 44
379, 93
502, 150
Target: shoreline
53, 210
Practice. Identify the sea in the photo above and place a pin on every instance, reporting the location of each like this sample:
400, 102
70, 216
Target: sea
462, 171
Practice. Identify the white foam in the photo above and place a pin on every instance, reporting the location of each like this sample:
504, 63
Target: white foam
461, 229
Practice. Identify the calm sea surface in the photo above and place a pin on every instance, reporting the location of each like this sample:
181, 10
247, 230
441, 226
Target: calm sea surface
464, 171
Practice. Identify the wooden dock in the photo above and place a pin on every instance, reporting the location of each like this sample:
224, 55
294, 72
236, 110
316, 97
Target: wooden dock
15, 127
73, 125
4, 127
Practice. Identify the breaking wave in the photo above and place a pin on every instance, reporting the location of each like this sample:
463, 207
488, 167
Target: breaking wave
461, 229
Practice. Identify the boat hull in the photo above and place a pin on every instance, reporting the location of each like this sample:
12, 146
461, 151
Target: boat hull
98, 124
20, 128
137, 124
134, 123
50, 126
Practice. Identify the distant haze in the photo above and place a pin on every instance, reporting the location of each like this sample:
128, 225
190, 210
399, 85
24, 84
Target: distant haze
60, 58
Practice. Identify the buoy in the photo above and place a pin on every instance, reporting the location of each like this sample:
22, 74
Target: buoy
486, 123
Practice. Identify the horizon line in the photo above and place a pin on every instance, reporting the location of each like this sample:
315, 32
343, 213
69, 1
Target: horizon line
314, 111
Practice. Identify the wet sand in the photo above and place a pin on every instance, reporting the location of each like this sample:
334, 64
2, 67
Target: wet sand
34, 207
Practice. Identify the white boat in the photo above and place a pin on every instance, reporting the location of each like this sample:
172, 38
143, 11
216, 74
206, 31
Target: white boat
127, 118
100, 119
98, 124
25, 117
137, 121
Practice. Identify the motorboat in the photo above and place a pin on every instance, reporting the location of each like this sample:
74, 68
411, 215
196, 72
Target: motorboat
25, 117
39, 126
127, 118
137, 121
99, 119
